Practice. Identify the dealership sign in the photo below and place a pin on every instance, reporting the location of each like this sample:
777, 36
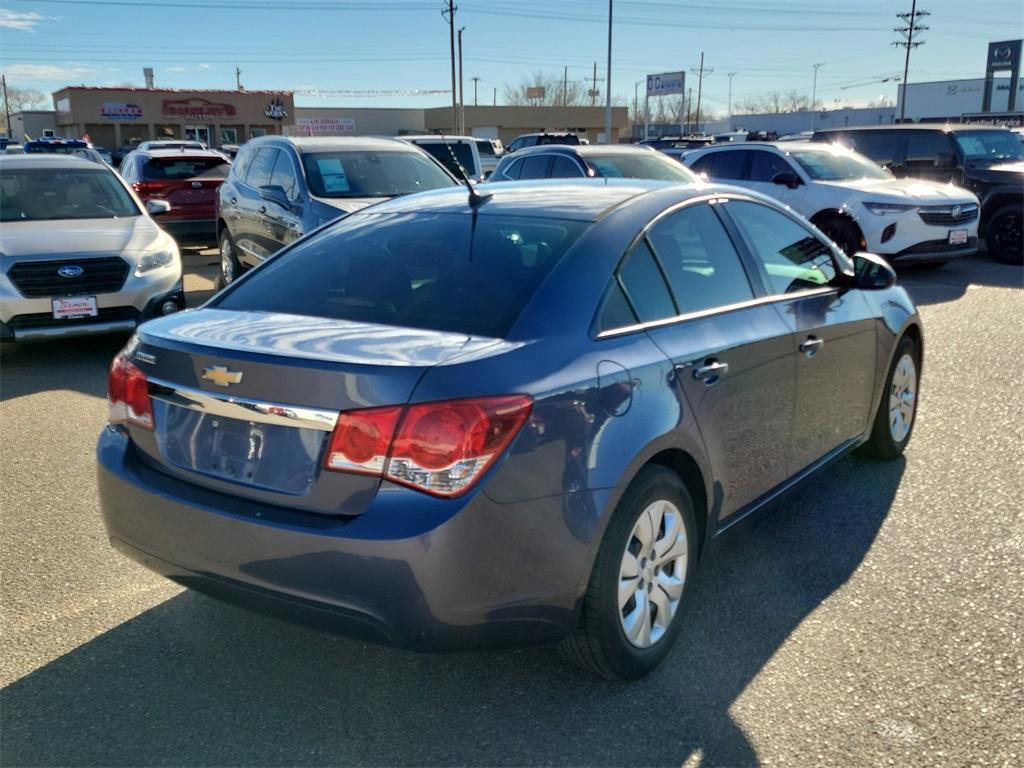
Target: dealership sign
325, 126
196, 109
276, 110
119, 110
666, 83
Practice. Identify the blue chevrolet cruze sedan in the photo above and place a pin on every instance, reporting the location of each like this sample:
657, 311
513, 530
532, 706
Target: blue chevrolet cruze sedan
517, 415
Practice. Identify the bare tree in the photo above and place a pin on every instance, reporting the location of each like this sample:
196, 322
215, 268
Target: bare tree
22, 99
557, 92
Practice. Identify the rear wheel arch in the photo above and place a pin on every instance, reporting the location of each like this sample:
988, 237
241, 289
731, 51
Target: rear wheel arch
688, 470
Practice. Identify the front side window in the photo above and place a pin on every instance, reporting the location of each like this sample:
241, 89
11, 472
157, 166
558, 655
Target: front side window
342, 174
791, 257
438, 271
47, 195
765, 166
728, 165
640, 165
924, 147
838, 164
699, 260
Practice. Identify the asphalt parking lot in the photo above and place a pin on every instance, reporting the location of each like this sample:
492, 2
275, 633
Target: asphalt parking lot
876, 618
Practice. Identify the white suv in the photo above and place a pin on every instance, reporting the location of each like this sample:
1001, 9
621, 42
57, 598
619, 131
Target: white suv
859, 205
79, 254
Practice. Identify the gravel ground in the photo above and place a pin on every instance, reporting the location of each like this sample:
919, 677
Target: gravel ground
875, 618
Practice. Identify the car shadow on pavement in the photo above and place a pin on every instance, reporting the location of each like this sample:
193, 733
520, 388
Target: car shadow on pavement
196, 682
79, 365
949, 283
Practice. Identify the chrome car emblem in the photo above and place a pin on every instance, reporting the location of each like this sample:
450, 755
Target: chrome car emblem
71, 270
145, 357
197, 184
955, 211
221, 376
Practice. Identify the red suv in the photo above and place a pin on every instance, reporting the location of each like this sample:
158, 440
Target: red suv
187, 179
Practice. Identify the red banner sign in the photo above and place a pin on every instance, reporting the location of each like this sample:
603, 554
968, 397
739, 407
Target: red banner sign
196, 109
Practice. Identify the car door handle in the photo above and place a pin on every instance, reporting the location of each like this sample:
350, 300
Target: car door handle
263, 209
710, 371
233, 201
811, 345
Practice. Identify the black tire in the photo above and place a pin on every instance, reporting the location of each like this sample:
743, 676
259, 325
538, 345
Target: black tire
1004, 234
223, 278
882, 444
843, 233
600, 645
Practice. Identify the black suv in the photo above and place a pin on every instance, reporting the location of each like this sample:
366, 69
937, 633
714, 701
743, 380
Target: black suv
524, 140
988, 161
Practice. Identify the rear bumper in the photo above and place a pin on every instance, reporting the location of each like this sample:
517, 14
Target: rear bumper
413, 571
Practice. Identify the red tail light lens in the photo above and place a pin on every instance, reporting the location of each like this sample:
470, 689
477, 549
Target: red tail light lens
148, 187
440, 448
128, 394
361, 440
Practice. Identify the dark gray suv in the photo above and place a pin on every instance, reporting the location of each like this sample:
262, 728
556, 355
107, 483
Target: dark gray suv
282, 187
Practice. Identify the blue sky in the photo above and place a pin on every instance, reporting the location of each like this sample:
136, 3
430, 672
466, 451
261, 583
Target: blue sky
402, 45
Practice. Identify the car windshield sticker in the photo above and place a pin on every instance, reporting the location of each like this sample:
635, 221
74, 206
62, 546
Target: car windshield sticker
607, 168
971, 145
333, 174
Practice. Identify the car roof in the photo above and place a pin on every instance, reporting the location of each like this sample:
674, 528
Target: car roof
436, 137
180, 152
329, 143
583, 150
48, 161
781, 146
944, 127
579, 199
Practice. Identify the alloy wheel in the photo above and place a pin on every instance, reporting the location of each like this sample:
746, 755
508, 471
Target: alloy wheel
227, 260
902, 398
652, 573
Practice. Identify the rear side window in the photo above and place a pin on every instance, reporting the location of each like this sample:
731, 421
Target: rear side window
283, 176
923, 147
699, 259
535, 167
792, 257
564, 168
485, 148
728, 165
180, 168
451, 155
880, 146
645, 288
242, 161
414, 270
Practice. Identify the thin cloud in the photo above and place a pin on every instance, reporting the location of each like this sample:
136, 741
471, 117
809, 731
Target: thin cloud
24, 21
47, 72
205, 66
176, 69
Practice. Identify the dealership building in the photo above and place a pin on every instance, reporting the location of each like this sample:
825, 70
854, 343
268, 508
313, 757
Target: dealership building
114, 117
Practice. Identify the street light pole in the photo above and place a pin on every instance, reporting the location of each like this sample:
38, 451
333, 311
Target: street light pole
462, 101
814, 94
731, 75
608, 83
449, 15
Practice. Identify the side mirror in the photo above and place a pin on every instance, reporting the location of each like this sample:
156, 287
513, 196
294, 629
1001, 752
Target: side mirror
788, 179
157, 207
872, 273
274, 193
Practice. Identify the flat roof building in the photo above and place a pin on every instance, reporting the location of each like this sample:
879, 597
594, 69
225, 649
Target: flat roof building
114, 117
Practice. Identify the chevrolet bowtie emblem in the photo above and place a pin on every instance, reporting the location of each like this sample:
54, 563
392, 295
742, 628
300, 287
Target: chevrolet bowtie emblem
221, 376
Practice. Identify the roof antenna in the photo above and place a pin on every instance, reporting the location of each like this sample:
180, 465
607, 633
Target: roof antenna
475, 198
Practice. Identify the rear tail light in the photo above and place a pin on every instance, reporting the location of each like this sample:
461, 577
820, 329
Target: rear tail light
440, 448
148, 187
128, 394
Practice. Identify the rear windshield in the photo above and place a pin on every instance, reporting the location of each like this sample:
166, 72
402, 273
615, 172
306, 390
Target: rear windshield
443, 153
485, 148
567, 138
43, 194
435, 271
176, 168
55, 149
643, 165
371, 174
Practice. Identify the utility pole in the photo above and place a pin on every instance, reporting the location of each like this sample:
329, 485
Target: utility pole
238, 79
475, 81
701, 74
449, 16
495, 97
608, 83
911, 29
731, 75
689, 106
565, 86
636, 88
814, 94
462, 101
7, 107
593, 87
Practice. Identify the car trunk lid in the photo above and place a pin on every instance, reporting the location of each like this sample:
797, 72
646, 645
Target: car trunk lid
245, 402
